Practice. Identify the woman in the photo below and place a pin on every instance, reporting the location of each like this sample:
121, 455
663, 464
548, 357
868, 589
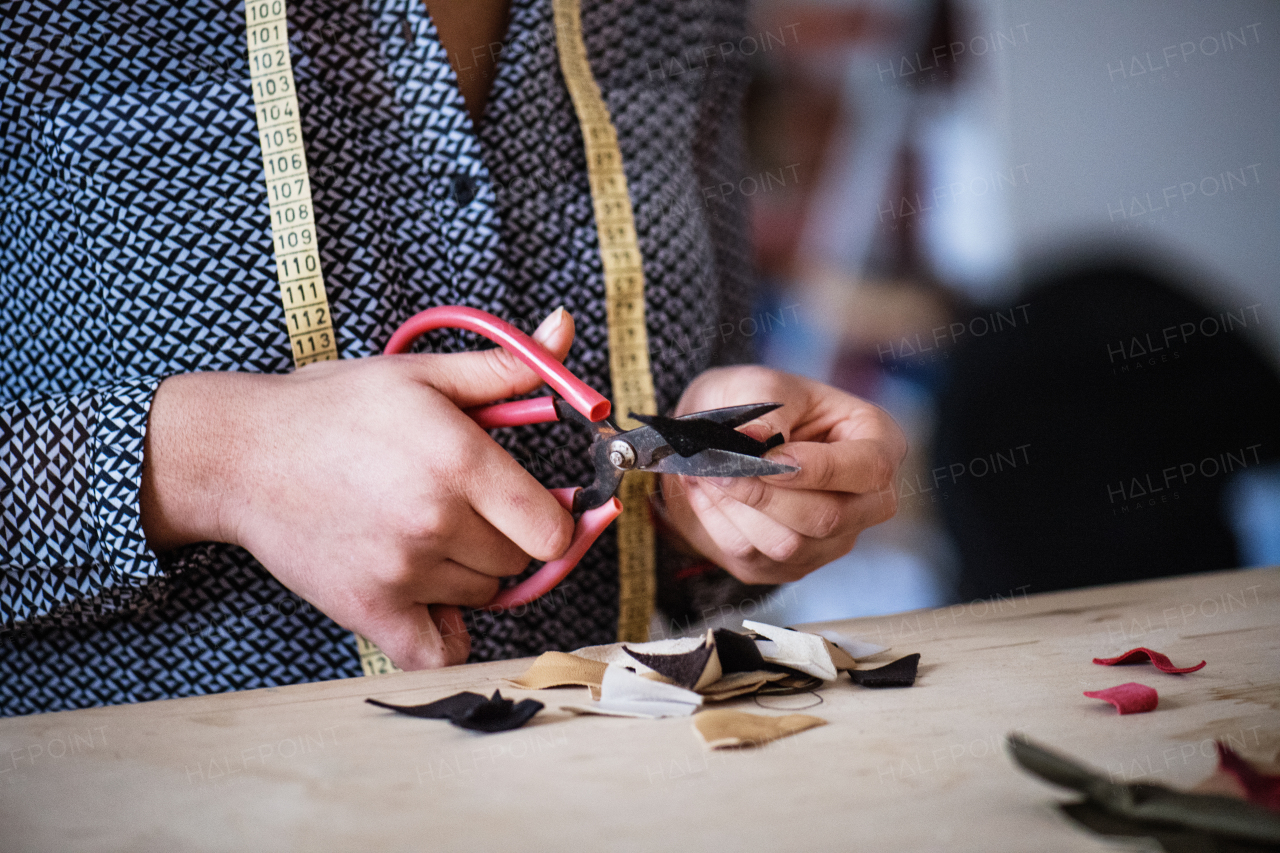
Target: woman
186, 514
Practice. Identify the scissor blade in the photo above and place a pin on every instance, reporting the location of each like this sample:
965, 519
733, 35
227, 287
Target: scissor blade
734, 416
693, 433
718, 463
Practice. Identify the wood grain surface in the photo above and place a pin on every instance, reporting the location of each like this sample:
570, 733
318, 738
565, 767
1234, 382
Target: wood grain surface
313, 767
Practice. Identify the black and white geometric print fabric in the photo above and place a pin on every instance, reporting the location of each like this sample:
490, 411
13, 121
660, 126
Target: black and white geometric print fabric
136, 244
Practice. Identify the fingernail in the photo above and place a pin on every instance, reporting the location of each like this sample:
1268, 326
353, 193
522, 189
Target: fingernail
757, 429
549, 326
785, 459
720, 482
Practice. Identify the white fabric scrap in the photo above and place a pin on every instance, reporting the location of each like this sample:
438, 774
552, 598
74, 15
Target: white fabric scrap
796, 649
626, 694
852, 645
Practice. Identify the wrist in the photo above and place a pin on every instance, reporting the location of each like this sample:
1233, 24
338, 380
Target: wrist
196, 465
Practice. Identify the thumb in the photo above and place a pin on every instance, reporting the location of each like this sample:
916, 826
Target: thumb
475, 378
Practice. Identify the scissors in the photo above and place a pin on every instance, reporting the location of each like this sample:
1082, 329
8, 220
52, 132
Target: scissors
702, 444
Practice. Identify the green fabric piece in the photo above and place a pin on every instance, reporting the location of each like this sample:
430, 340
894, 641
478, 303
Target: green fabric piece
1216, 815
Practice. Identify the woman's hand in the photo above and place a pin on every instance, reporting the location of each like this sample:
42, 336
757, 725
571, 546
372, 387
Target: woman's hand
360, 485
775, 529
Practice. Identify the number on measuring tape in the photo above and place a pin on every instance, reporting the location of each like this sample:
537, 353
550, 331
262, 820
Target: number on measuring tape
284, 164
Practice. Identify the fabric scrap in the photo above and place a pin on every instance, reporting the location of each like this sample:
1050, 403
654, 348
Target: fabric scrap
1170, 838
595, 710
737, 652
899, 673
723, 729
690, 436
840, 659
472, 711
442, 709
791, 682
615, 653
498, 714
624, 693
560, 669
739, 684
691, 670
1224, 817
852, 646
794, 649
1259, 787
1140, 654
1129, 698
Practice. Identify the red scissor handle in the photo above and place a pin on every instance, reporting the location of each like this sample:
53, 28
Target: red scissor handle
588, 529
581, 396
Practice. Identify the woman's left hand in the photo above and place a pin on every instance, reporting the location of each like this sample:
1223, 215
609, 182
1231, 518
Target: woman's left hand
767, 530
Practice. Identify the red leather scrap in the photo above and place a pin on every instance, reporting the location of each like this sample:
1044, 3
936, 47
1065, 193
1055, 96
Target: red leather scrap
1139, 655
1260, 788
1131, 698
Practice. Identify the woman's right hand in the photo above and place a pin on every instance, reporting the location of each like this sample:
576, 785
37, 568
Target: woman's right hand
360, 485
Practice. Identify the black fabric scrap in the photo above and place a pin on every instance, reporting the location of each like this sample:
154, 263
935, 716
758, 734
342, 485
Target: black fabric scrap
900, 673
499, 715
447, 708
684, 669
738, 653
690, 436
472, 711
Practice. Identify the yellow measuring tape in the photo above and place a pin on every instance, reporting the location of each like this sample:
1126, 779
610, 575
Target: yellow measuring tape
275, 100
306, 303
624, 300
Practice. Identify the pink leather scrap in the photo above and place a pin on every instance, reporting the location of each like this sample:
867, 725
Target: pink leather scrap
1131, 698
1261, 788
1138, 655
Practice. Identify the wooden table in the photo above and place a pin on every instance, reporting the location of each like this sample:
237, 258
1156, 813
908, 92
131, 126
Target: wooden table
313, 767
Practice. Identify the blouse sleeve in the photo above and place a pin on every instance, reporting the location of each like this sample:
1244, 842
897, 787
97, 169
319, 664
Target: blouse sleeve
71, 469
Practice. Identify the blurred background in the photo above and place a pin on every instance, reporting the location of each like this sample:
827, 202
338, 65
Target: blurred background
1045, 237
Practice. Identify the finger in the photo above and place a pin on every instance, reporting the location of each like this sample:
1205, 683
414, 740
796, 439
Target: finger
475, 378
810, 513
856, 465
424, 637
764, 428
872, 508
774, 540
721, 532
448, 582
482, 548
782, 556
510, 499
453, 633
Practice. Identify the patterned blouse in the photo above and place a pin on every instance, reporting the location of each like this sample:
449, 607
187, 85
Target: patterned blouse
136, 244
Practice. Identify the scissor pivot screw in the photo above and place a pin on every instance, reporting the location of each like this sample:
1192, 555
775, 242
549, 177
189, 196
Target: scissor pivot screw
622, 454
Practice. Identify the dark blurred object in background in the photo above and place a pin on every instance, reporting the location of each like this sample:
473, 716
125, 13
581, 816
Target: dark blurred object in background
1134, 405
909, 160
